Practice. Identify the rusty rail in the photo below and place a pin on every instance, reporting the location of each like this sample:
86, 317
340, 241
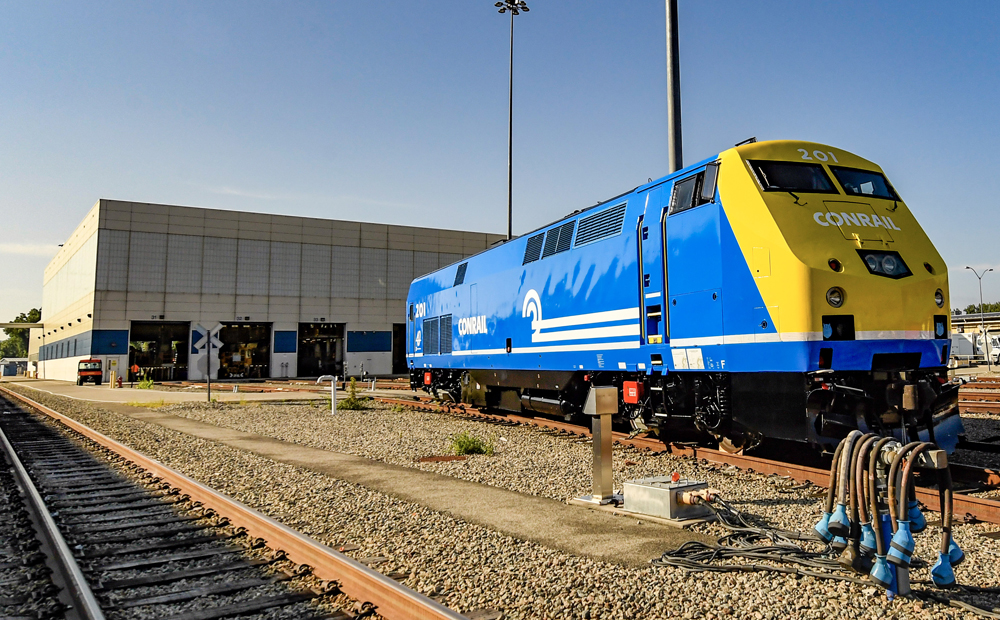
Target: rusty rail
392, 600
970, 507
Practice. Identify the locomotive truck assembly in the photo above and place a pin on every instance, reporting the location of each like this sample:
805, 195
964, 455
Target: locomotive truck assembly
778, 289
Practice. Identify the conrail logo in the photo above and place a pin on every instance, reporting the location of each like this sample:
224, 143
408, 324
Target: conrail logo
470, 326
853, 219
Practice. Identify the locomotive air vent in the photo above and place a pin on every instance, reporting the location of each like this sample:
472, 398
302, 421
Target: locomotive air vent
445, 334
533, 251
558, 239
430, 336
607, 223
460, 274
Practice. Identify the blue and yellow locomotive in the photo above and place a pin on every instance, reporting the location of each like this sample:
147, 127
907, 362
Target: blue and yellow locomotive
778, 289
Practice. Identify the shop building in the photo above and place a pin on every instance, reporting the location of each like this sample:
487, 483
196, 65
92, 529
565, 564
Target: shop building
141, 284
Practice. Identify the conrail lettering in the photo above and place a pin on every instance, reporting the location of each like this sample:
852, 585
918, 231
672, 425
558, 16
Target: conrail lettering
472, 325
854, 219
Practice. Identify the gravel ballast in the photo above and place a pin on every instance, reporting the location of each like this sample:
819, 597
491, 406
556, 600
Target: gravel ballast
470, 567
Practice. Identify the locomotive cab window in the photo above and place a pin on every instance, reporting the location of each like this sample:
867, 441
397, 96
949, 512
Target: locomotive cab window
864, 183
690, 192
788, 176
460, 274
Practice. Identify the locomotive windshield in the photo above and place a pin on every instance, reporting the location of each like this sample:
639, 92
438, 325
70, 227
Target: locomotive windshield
864, 183
787, 176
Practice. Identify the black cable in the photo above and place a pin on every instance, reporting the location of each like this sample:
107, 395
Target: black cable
748, 542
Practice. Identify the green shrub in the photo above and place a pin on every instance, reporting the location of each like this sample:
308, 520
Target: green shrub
146, 383
352, 402
467, 443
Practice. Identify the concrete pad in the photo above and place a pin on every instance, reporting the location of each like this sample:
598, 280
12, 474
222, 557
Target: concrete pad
105, 394
631, 540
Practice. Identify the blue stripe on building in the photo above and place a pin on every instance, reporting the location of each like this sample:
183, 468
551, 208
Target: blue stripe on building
369, 342
284, 342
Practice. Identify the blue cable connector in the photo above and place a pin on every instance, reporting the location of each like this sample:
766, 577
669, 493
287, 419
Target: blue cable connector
901, 547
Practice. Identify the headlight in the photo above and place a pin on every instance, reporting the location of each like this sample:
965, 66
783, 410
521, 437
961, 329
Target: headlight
886, 264
835, 297
939, 298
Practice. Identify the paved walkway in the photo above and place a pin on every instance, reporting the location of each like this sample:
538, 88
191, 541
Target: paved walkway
577, 530
104, 393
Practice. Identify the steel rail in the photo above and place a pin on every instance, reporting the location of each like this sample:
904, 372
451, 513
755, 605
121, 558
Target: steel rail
85, 604
391, 599
979, 406
973, 508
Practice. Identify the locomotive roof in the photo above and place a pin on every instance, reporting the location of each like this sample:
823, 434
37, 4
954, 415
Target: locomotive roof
643, 186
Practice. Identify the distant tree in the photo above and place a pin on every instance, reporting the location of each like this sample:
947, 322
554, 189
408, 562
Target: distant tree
956, 311
988, 307
10, 348
16, 344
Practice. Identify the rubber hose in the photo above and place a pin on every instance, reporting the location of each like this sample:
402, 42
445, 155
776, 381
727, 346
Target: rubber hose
946, 492
893, 472
873, 488
861, 480
852, 476
904, 490
844, 470
831, 492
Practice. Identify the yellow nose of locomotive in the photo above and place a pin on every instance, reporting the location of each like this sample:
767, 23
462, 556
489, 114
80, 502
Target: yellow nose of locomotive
832, 247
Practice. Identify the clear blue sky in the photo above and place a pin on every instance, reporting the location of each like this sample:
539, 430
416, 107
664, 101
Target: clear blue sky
396, 112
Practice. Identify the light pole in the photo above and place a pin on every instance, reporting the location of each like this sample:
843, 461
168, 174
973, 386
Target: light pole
982, 321
674, 149
516, 7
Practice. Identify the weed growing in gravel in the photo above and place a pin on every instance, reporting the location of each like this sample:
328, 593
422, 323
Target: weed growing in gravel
398, 409
467, 443
146, 383
352, 402
153, 405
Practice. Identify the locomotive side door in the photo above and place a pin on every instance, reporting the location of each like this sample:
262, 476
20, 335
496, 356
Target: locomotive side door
653, 287
694, 260
414, 321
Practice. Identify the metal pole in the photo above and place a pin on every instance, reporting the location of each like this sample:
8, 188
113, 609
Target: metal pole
333, 391
982, 318
603, 489
982, 324
510, 137
673, 89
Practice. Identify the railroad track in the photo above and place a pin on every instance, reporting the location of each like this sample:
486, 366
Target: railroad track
966, 506
150, 542
27, 588
980, 396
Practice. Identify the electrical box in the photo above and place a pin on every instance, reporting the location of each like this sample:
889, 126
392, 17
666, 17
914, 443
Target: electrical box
657, 497
633, 391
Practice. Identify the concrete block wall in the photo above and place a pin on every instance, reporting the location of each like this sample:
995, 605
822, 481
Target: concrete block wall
173, 263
